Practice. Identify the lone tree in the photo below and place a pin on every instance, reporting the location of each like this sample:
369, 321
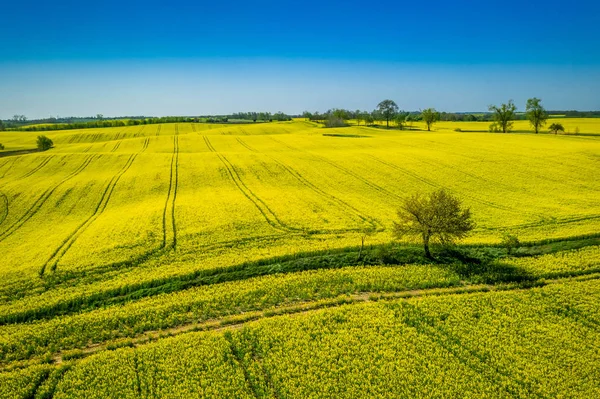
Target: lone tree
434, 218
430, 116
556, 127
503, 116
388, 110
44, 143
536, 114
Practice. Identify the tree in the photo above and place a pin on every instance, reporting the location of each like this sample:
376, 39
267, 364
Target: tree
307, 115
358, 115
510, 242
435, 218
400, 119
388, 110
368, 118
536, 114
556, 127
430, 116
99, 117
44, 143
503, 116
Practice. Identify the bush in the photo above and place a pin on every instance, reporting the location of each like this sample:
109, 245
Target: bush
458, 129
335, 122
1, 146
44, 143
510, 242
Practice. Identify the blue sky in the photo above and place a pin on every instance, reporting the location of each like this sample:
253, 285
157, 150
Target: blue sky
193, 57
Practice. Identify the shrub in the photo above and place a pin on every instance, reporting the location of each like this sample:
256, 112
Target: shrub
1, 146
510, 242
458, 129
335, 122
44, 143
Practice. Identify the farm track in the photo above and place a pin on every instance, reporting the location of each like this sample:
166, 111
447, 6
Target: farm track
37, 168
158, 130
347, 171
100, 208
341, 204
295, 309
36, 206
172, 195
271, 218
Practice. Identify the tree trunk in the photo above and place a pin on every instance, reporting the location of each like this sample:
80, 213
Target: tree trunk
426, 247
387, 123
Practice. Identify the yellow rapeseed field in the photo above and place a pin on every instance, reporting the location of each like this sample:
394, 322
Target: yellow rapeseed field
119, 237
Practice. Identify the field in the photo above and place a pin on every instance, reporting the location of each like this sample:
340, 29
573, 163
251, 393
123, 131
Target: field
227, 258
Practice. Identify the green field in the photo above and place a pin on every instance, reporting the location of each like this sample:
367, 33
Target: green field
215, 260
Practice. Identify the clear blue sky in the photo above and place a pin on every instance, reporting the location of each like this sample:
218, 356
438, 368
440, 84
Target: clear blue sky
193, 57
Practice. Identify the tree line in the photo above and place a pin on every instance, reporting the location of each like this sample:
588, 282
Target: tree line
387, 111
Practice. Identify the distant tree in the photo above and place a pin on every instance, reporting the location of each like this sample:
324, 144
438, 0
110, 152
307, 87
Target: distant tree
536, 114
435, 218
409, 121
400, 119
503, 116
44, 143
1, 125
368, 118
359, 116
307, 115
340, 114
556, 127
430, 116
99, 117
388, 110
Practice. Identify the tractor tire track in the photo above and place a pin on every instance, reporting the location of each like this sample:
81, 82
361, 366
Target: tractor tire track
36, 206
9, 168
116, 147
158, 130
172, 196
40, 166
270, 217
3, 207
145, 145
436, 185
58, 254
341, 204
347, 171
193, 127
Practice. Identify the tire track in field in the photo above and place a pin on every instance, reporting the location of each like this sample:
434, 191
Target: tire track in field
172, 196
341, 204
3, 207
116, 147
347, 171
40, 166
36, 206
437, 185
158, 130
145, 145
262, 207
12, 162
193, 127
100, 208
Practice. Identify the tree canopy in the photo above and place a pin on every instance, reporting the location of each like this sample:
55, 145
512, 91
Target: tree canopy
536, 114
434, 218
388, 110
503, 116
